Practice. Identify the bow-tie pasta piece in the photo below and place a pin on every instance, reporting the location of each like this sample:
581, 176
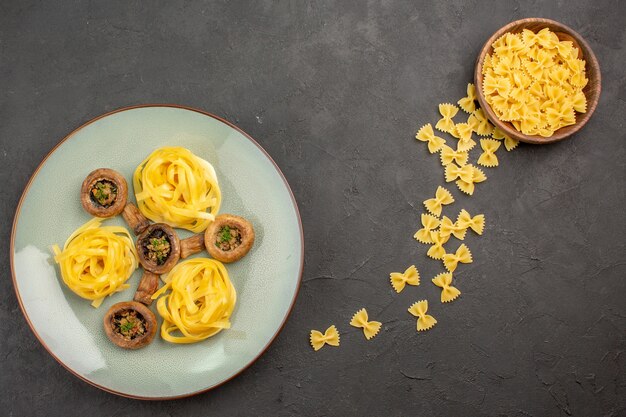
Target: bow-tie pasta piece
399, 280
426, 134
449, 155
330, 337
447, 111
451, 260
488, 158
481, 124
468, 187
509, 143
464, 173
467, 104
476, 223
437, 251
448, 292
424, 321
442, 197
429, 223
370, 328
463, 132
447, 228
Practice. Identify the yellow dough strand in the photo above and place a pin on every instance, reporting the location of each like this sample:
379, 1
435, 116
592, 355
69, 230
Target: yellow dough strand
361, 320
96, 261
176, 187
200, 301
329, 337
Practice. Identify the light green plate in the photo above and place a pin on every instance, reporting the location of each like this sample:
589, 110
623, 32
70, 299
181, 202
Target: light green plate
266, 280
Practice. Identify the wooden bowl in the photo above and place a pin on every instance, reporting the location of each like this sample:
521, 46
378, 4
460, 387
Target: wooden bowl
591, 90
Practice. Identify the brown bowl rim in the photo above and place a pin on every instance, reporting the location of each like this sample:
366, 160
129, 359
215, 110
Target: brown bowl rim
592, 99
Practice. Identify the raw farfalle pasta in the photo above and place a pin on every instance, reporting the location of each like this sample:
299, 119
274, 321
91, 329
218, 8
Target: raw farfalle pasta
399, 280
370, 328
448, 292
437, 251
462, 255
476, 223
468, 187
448, 228
509, 143
463, 132
449, 155
330, 337
464, 173
535, 81
429, 223
467, 104
447, 111
424, 321
426, 134
442, 197
479, 123
488, 158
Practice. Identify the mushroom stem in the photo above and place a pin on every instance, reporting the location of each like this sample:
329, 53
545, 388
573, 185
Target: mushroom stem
147, 286
191, 245
134, 218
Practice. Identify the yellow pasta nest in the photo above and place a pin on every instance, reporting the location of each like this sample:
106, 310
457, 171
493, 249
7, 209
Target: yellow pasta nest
535, 81
96, 261
200, 302
176, 187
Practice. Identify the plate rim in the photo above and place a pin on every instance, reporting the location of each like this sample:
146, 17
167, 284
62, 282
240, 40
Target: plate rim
36, 172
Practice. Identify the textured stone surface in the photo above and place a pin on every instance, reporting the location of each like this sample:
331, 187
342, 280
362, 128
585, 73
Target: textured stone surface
335, 91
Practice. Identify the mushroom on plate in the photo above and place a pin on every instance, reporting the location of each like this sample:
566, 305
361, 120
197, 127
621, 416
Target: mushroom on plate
130, 325
229, 238
104, 193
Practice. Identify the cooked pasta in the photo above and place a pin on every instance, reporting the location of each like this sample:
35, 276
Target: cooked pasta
96, 261
200, 302
176, 187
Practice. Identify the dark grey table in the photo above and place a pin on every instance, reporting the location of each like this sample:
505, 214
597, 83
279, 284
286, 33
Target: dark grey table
335, 91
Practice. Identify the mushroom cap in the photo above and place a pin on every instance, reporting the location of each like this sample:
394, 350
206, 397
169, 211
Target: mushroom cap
93, 207
231, 220
139, 342
173, 256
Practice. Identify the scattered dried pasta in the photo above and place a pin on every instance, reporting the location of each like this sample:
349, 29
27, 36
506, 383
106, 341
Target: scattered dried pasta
370, 328
476, 223
468, 104
424, 321
330, 337
535, 81
448, 292
429, 223
463, 132
464, 173
398, 280
449, 155
426, 134
442, 197
468, 187
479, 123
437, 251
448, 227
509, 143
462, 255
447, 111
488, 158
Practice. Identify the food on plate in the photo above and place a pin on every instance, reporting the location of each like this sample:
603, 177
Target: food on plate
158, 248
535, 81
104, 193
191, 245
174, 186
135, 219
199, 303
148, 285
96, 260
229, 238
130, 325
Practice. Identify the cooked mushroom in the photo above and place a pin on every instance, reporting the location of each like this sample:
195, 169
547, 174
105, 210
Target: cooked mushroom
130, 325
191, 245
158, 248
229, 238
134, 218
147, 286
104, 193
